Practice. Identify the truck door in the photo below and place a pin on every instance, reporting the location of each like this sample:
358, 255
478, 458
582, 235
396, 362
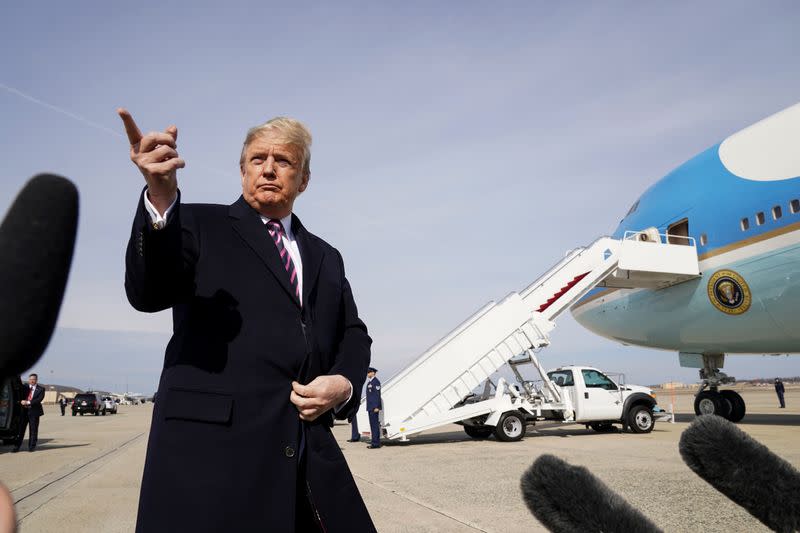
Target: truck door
601, 399
566, 381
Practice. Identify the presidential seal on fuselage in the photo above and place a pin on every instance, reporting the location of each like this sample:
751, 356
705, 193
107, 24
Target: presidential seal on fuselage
728, 292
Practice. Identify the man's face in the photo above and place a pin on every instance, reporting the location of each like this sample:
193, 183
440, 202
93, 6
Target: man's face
32, 380
272, 175
370, 375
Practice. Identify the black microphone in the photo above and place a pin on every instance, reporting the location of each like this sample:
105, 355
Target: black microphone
568, 498
37, 238
744, 470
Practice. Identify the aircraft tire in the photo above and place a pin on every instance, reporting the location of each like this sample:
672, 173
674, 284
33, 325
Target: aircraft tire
511, 427
478, 432
738, 408
640, 419
712, 403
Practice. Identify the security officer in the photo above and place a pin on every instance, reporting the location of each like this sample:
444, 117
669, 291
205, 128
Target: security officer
355, 436
374, 406
779, 390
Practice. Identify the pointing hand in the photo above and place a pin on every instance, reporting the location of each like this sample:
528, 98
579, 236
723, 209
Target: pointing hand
156, 156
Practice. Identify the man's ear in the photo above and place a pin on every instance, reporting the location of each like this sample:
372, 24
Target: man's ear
241, 172
304, 183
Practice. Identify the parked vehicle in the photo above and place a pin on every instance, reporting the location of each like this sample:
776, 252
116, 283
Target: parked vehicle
88, 402
11, 393
111, 405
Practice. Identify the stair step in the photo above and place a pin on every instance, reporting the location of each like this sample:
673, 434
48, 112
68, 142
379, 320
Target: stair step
561, 292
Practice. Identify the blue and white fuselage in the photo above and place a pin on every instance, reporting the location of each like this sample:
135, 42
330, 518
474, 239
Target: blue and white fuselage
740, 201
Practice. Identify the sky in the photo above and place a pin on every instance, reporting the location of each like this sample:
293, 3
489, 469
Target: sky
459, 148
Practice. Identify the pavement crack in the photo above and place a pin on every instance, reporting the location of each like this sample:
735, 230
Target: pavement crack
415, 501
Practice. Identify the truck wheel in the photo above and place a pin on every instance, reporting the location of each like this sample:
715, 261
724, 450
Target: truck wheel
712, 403
104, 412
511, 427
640, 419
738, 408
81, 413
603, 427
478, 432
74, 413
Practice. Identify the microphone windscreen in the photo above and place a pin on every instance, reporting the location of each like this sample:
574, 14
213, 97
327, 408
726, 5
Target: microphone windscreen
568, 498
37, 238
744, 470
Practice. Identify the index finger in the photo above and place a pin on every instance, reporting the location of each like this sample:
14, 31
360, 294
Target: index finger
134, 134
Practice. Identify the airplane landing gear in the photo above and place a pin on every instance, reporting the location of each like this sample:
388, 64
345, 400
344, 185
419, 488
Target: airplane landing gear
712, 401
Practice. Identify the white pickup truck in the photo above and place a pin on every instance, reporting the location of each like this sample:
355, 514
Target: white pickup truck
572, 394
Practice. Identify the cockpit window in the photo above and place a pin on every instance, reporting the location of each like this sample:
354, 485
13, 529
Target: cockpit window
633, 208
595, 379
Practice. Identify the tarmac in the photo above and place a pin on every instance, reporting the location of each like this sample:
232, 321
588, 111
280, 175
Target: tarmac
86, 472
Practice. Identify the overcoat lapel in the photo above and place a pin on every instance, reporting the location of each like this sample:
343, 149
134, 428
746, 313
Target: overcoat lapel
312, 255
247, 223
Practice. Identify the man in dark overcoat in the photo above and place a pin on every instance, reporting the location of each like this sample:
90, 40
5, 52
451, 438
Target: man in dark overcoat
31, 412
267, 347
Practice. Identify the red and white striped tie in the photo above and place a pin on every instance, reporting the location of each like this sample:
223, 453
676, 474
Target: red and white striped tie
277, 233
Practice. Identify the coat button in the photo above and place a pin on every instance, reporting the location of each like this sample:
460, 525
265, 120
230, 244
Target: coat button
289, 451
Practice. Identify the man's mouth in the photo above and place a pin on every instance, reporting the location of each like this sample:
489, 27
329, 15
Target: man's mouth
268, 187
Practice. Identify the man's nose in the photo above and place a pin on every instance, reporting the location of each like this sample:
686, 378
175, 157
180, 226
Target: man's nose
269, 167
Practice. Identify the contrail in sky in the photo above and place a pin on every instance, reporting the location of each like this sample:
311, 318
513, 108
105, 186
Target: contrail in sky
85, 120
79, 118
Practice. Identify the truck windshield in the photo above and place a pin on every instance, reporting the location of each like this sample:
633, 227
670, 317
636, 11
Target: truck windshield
562, 378
593, 378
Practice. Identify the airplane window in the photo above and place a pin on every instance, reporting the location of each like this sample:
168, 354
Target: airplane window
794, 206
703, 239
562, 378
760, 218
594, 379
745, 224
777, 212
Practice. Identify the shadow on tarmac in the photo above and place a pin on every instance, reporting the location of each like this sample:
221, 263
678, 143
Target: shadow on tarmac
756, 419
42, 445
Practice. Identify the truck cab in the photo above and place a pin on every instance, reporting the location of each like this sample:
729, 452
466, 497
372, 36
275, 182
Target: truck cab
599, 401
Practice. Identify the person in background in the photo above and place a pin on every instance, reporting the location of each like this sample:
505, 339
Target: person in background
62, 402
374, 407
355, 436
31, 411
779, 390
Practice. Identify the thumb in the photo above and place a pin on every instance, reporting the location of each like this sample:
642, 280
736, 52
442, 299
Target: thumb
172, 130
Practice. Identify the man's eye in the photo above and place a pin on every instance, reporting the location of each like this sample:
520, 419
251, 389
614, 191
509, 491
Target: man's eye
283, 163
257, 160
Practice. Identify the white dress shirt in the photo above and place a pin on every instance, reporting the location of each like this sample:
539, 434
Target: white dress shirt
289, 242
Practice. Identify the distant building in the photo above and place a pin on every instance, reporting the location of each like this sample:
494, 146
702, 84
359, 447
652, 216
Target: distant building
674, 385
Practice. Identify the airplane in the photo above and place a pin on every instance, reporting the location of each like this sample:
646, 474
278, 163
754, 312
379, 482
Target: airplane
739, 203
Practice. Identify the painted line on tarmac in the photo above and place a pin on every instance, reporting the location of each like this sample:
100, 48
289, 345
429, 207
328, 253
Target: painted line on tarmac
415, 501
32, 496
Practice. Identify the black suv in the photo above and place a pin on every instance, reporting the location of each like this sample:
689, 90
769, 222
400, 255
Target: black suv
88, 402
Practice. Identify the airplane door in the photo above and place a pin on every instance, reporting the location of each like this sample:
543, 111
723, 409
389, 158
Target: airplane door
601, 399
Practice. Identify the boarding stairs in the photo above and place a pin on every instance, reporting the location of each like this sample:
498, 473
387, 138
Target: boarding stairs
431, 391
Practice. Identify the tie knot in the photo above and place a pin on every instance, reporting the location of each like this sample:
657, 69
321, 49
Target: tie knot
275, 226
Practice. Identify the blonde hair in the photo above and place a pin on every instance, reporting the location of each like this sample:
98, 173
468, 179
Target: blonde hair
288, 131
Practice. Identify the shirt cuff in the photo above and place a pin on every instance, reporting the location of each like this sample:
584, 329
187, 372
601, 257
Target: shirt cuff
156, 219
341, 405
